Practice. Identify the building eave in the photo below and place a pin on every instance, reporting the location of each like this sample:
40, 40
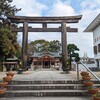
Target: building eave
41, 54
93, 25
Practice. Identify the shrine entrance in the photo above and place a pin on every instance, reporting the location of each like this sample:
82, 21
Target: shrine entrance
63, 21
46, 64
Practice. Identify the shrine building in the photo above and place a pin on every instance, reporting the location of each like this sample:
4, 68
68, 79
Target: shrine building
45, 59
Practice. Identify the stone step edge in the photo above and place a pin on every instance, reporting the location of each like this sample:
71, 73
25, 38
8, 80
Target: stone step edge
50, 85
35, 98
46, 94
75, 80
43, 81
46, 84
26, 91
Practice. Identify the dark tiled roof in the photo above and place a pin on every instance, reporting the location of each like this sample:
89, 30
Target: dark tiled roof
46, 53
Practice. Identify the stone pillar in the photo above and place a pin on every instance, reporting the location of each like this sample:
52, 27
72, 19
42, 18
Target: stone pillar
64, 45
24, 44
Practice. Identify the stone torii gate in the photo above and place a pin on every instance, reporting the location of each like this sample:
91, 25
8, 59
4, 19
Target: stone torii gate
44, 21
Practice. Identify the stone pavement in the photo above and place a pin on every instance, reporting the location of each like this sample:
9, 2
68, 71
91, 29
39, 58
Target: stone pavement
42, 75
39, 75
45, 74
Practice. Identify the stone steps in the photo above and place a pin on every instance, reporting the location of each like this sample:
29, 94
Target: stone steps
57, 88
49, 86
47, 82
46, 87
52, 82
43, 93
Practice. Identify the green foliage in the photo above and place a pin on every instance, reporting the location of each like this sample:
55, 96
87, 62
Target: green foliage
71, 52
96, 95
41, 45
19, 53
89, 87
6, 9
54, 46
38, 45
8, 40
72, 48
6, 44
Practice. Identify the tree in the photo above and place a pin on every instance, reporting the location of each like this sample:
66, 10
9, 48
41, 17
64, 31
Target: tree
6, 45
38, 45
8, 40
41, 45
71, 53
6, 9
54, 45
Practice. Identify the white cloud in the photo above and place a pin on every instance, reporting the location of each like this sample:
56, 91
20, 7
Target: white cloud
61, 9
90, 4
89, 10
29, 7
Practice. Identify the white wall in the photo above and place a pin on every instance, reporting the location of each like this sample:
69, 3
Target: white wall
96, 39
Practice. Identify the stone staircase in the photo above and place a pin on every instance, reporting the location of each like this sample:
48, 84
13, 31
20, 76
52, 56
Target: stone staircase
68, 88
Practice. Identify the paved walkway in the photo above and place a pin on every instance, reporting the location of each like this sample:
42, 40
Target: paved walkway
44, 74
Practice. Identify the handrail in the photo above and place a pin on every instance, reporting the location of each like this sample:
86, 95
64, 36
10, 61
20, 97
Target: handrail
90, 71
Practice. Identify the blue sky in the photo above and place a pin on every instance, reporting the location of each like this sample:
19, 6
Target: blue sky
89, 9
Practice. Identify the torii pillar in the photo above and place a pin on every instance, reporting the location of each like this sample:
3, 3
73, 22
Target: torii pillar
24, 44
64, 45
